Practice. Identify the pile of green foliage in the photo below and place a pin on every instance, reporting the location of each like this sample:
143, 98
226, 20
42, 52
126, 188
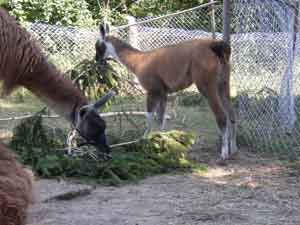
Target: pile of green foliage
94, 79
38, 147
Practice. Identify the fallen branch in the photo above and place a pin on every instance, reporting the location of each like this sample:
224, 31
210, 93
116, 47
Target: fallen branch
27, 116
70, 195
79, 151
124, 143
108, 114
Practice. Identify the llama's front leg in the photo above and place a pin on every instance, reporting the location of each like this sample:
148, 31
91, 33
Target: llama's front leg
152, 102
161, 109
233, 145
149, 119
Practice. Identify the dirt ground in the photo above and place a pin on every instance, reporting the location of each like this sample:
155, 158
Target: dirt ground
251, 189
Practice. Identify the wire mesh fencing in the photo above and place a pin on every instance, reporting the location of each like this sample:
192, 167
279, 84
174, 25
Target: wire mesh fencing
266, 73
153, 32
65, 46
265, 61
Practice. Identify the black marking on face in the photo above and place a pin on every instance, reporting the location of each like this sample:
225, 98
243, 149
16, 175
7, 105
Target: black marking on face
100, 51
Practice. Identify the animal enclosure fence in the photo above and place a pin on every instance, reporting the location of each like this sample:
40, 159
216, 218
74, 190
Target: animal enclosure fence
265, 60
266, 73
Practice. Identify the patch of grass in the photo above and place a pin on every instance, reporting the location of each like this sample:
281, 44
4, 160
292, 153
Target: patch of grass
188, 98
261, 128
15, 106
37, 147
199, 169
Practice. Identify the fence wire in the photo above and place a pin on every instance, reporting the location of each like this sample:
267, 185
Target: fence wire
65, 46
150, 33
266, 73
265, 60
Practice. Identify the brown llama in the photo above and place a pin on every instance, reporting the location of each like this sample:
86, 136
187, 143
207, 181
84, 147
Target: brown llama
16, 186
204, 62
22, 63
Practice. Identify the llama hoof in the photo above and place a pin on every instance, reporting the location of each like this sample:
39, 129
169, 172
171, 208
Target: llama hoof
224, 161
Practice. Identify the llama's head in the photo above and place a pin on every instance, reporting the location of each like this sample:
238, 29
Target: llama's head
90, 124
104, 46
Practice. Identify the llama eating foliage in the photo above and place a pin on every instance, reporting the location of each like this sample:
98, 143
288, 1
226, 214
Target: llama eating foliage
22, 63
204, 62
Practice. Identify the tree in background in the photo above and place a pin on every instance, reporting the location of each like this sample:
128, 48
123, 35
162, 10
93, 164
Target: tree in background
4, 4
64, 12
118, 9
145, 8
90, 12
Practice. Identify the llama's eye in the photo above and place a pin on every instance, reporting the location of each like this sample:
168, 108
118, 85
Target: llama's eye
82, 112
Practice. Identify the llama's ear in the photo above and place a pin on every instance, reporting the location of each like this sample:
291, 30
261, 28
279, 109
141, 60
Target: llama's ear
103, 100
102, 31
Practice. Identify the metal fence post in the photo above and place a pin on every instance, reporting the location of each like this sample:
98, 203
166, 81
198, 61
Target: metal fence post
226, 20
133, 32
296, 23
213, 20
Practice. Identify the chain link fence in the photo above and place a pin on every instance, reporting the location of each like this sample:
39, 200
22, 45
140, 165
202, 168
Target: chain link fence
266, 73
265, 60
65, 46
150, 33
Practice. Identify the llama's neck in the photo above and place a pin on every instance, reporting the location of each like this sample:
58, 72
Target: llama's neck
127, 55
131, 59
57, 92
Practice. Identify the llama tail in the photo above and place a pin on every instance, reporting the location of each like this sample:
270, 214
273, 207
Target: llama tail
222, 50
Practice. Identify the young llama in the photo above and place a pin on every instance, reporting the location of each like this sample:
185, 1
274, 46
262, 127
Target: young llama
204, 62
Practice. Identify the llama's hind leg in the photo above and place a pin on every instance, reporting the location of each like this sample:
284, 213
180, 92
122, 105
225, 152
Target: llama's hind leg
225, 97
221, 119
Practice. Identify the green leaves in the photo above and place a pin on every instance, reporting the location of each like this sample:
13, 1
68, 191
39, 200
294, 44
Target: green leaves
93, 79
160, 7
4, 4
89, 12
64, 12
